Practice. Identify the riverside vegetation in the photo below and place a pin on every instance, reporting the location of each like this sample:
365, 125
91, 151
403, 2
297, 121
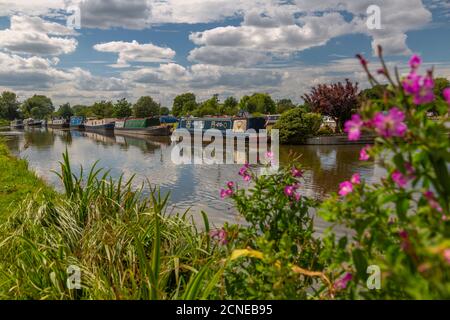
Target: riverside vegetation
127, 247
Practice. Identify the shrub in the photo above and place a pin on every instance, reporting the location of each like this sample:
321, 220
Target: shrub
295, 125
325, 131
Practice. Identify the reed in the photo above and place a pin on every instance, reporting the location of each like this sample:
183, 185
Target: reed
126, 246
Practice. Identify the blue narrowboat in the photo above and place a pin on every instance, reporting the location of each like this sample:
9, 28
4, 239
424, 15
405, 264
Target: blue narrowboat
77, 123
237, 125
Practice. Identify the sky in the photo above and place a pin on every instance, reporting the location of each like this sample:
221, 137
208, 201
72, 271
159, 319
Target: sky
81, 51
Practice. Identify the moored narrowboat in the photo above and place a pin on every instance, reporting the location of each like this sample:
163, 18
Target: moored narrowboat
237, 125
77, 122
16, 124
32, 123
99, 124
142, 126
58, 124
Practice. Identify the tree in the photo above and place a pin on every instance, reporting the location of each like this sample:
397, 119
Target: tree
374, 93
258, 103
209, 107
230, 106
164, 111
82, 111
295, 125
146, 107
103, 109
9, 106
336, 100
122, 109
65, 111
183, 104
38, 107
284, 105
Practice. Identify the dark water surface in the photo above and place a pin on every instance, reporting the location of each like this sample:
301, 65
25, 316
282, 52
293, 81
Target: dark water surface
191, 186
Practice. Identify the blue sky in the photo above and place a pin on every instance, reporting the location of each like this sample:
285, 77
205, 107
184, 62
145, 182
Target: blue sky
230, 47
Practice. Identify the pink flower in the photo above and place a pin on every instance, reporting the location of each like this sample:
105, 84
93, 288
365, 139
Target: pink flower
446, 255
219, 235
269, 155
410, 170
296, 173
226, 193
363, 155
426, 93
353, 127
411, 85
230, 184
362, 60
429, 195
390, 124
415, 62
446, 94
399, 179
345, 188
244, 172
289, 191
342, 283
356, 179
247, 178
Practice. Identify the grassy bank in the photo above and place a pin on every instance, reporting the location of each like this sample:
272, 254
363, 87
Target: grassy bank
122, 245
4, 123
17, 182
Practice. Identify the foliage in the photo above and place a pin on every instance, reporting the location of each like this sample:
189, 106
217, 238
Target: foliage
82, 111
336, 100
210, 107
295, 125
37, 107
126, 247
258, 102
374, 93
400, 224
146, 107
230, 106
184, 104
65, 111
9, 106
284, 105
164, 111
325, 131
122, 109
103, 109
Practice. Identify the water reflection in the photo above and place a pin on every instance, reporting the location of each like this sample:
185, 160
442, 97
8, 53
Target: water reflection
191, 186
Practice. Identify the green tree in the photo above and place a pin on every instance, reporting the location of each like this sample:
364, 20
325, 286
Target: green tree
164, 111
103, 109
374, 93
209, 107
9, 106
82, 111
146, 107
38, 107
183, 104
295, 125
65, 111
122, 109
230, 106
258, 103
284, 105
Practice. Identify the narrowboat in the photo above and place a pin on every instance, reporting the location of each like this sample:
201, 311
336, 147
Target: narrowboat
77, 123
58, 124
272, 119
142, 126
99, 124
17, 124
32, 123
237, 125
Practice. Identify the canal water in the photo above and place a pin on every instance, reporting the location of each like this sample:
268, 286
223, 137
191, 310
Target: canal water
193, 187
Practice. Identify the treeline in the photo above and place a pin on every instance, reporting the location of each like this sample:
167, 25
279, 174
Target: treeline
338, 101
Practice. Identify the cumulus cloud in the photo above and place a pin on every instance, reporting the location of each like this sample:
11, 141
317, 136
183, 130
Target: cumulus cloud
136, 52
33, 35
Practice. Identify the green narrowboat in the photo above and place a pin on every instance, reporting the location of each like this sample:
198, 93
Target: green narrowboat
142, 126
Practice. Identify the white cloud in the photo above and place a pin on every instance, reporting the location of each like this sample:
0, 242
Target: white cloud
33, 35
136, 52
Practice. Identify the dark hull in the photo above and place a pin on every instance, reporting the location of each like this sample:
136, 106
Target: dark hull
58, 126
151, 131
103, 127
77, 127
35, 125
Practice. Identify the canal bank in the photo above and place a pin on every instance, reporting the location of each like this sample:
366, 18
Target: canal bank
17, 182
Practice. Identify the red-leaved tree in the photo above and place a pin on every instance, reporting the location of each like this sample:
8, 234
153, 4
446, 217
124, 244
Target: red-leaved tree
338, 101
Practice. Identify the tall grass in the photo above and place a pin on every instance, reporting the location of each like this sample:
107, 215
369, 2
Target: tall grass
126, 246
